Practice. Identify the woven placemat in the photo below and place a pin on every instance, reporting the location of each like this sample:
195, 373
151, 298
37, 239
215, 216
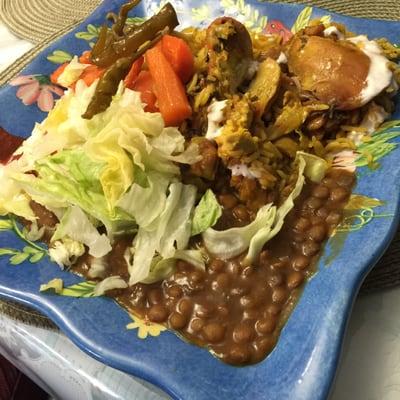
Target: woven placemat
36, 20
43, 21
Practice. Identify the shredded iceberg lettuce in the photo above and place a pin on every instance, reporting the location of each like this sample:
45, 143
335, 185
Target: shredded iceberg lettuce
72, 72
206, 213
168, 232
162, 268
76, 225
65, 252
110, 283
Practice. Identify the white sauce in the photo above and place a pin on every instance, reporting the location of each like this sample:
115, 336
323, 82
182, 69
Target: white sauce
379, 75
282, 59
373, 118
332, 30
244, 170
371, 121
215, 117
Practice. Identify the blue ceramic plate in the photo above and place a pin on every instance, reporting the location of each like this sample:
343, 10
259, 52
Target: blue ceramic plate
303, 364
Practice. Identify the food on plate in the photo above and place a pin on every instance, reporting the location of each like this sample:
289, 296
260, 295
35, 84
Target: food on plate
193, 174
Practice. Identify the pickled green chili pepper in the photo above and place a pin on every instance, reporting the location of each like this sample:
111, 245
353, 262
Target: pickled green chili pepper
108, 53
119, 24
109, 82
107, 87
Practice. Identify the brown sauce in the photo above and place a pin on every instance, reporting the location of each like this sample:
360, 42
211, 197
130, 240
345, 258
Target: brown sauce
237, 312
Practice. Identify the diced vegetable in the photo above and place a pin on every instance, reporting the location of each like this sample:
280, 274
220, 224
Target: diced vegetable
145, 85
91, 73
133, 73
172, 100
85, 57
57, 73
179, 55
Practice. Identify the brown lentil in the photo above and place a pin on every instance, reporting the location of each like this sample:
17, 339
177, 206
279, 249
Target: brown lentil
338, 194
228, 200
214, 332
241, 213
158, 313
237, 311
177, 320
295, 279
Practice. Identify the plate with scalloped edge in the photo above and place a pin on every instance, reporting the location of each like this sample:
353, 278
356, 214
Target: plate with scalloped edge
303, 364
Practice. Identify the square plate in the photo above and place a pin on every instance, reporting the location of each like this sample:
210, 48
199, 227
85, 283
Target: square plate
303, 364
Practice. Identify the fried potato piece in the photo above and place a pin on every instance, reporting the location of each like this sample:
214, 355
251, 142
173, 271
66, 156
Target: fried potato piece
265, 85
334, 71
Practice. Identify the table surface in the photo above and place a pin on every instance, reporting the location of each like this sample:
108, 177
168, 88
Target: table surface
369, 368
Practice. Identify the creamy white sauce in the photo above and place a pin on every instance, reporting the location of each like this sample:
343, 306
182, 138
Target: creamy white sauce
373, 118
215, 117
244, 170
379, 75
282, 59
332, 30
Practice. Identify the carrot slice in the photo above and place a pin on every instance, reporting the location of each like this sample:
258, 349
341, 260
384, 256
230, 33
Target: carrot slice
56, 74
145, 85
172, 100
133, 73
85, 57
91, 73
179, 55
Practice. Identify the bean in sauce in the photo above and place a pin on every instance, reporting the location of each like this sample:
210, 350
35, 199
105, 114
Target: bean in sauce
237, 312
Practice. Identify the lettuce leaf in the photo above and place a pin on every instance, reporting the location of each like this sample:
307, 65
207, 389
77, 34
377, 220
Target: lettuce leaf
72, 72
76, 225
206, 213
162, 268
145, 204
109, 283
167, 233
269, 219
234, 241
68, 178
12, 199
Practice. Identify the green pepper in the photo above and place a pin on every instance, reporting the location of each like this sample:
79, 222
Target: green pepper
127, 45
109, 82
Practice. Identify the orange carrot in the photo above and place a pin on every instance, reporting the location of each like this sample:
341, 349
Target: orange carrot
91, 73
133, 73
85, 57
144, 84
56, 74
179, 55
172, 100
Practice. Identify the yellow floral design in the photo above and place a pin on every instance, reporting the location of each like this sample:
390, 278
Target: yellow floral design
145, 327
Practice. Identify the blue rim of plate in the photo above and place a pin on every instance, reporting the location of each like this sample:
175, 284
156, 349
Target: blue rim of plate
304, 362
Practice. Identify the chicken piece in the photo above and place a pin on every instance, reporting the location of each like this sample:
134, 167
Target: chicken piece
235, 140
334, 71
